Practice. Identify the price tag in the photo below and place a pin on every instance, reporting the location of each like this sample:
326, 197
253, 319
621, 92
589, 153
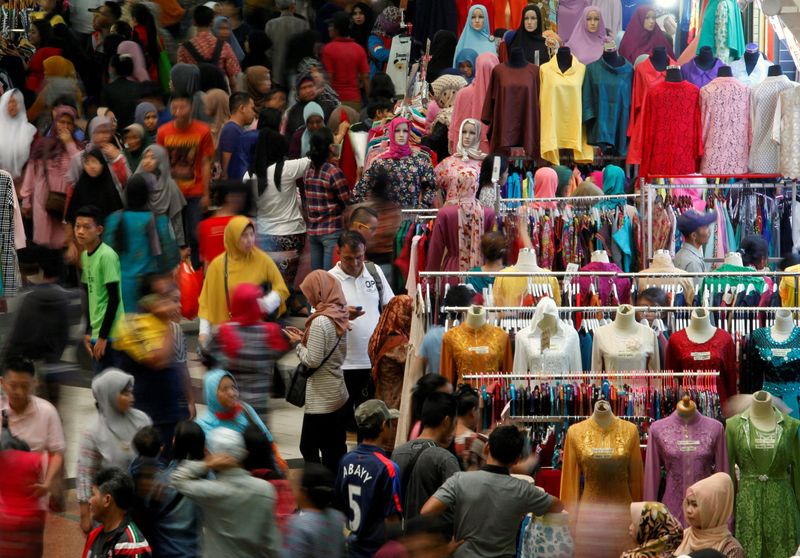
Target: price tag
780, 353
482, 350
703, 355
602, 453
496, 170
688, 446
765, 441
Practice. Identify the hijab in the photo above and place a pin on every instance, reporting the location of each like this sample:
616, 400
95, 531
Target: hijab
134, 157
324, 293
59, 67
472, 151
469, 100
444, 91
395, 150
657, 532
311, 109
217, 107
587, 47
16, 134
49, 146
246, 312
466, 55
564, 178
142, 110
443, 50
637, 40
254, 76
100, 190
613, 185
545, 184
165, 196
185, 79
393, 330
462, 193
305, 68
361, 33
129, 48
478, 40
217, 416
533, 41
714, 497
114, 430
219, 21
387, 23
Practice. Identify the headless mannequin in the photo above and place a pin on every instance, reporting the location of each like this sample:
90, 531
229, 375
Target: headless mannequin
526, 261
724, 71
674, 74
613, 59
751, 56
476, 317
663, 258
602, 415
761, 412
686, 408
659, 59
783, 326
564, 58
705, 58
516, 58
774, 71
734, 258
700, 329
626, 319
600, 256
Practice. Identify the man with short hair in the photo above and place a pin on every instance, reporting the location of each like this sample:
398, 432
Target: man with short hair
105, 16
694, 228
279, 31
205, 47
238, 508
243, 113
364, 285
117, 536
346, 62
367, 486
472, 495
191, 150
425, 463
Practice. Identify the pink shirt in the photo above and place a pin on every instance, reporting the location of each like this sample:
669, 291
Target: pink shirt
39, 426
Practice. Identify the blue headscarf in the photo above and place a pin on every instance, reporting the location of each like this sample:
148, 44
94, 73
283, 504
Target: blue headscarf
232, 40
613, 184
479, 41
309, 110
467, 55
210, 419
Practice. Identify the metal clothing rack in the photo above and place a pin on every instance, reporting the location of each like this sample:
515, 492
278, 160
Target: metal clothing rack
590, 375
534, 419
446, 309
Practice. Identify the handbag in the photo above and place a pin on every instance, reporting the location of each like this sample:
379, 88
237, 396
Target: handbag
56, 202
296, 392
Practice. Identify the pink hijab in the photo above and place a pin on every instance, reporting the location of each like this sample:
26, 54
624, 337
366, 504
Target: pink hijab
470, 216
469, 101
139, 67
545, 183
397, 151
587, 47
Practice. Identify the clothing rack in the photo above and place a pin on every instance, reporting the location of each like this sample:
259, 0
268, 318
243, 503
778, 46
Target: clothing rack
450, 309
589, 375
564, 418
627, 274
571, 199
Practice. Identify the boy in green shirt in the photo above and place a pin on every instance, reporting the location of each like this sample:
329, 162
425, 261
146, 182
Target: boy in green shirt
101, 278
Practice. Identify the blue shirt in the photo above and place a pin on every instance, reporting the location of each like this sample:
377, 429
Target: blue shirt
367, 491
229, 139
243, 155
431, 348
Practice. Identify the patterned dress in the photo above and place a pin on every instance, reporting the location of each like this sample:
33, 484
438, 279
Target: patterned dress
411, 180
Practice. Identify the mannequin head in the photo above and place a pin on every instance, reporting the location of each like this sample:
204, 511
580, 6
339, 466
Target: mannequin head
530, 21
477, 20
593, 21
650, 20
468, 134
401, 134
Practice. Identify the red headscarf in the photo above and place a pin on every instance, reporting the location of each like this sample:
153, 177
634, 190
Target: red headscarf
245, 311
392, 330
637, 40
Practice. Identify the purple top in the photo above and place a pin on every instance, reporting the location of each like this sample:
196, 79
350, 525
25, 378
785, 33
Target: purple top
604, 283
698, 76
689, 451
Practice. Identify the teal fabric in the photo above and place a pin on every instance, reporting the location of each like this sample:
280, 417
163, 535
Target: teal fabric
209, 421
479, 283
607, 104
735, 31
613, 184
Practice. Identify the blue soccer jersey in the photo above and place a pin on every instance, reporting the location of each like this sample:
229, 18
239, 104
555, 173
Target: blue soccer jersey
368, 492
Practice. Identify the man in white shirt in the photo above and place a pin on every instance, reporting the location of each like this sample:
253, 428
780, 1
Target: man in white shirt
364, 286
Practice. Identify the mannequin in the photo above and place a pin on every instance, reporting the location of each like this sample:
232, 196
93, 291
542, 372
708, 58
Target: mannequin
751, 69
734, 258
775, 70
700, 329
625, 344
725, 105
476, 317
546, 344
765, 152
705, 58
612, 57
602, 414
762, 413
751, 56
702, 68
724, 71
662, 263
564, 57
659, 59
606, 106
674, 74
510, 291
783, 326
600, 256
626, 318
686, 408
516, 58
526, 261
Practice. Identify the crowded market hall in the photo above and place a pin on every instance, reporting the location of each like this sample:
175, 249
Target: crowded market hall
399, 278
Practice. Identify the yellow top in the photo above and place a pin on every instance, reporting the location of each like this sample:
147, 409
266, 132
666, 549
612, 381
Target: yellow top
787, 288
509, 291
560, 101
468, 350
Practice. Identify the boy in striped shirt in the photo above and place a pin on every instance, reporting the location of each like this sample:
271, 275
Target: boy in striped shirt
117, 536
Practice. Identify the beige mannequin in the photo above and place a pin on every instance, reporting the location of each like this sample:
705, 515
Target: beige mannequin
762, 413
663, 258
602, 414
734, 258
783, 326
700, 329
526, 261
686, 408
476, 317
626, 318
600, 256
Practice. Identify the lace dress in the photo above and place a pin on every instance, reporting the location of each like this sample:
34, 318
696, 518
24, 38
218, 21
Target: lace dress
725, 109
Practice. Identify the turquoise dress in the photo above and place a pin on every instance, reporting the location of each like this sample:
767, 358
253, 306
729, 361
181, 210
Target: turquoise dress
135, 248
479, 283
735, 32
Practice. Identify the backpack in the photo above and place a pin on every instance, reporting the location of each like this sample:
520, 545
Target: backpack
378, 283
188, 45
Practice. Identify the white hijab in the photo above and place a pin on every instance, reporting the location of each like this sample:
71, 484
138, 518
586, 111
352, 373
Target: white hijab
16, 134
471, 151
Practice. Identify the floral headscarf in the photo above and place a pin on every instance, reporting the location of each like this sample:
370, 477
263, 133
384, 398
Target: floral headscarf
444, 93
388, 22
393, 329
658, 533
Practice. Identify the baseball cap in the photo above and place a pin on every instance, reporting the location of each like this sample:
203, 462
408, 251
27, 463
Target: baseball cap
373, 412
692, 220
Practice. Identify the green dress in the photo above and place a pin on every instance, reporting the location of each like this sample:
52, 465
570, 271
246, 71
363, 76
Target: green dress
767, 516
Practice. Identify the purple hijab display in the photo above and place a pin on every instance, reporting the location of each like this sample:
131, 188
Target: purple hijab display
587, 47
569, 14
637, 40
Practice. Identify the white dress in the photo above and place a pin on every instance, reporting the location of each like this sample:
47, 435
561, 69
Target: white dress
616, 349
563, 354
764, 151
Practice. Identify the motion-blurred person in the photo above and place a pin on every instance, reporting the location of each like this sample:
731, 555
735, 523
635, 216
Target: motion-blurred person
164, 197
346, 62
279, 31
389, 348
231, 198
468, 443
206, 48
242, 115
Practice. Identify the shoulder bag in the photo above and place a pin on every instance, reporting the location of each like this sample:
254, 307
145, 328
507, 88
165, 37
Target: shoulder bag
296, 392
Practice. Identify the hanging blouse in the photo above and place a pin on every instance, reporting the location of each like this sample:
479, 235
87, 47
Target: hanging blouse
606, 104
725, 113
466, 350
645, 77
561, 115
698, 76
605, 283
615, 349
716, 354
511, 291
536, 351
786, 131
759, 73
773, 366
510, 108
764, 151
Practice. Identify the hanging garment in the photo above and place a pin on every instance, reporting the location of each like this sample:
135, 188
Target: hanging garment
773, 366
8, 247
767, 517
537, 350
698, 76
722, 30
561, 112
469, 101
689, 451
616, 349
672, 131
725, 113
511, 291
758, 75
569, 16
612, 15
605, 283
606, 104
467, 350
764, 151
645, 77
611, 464
718, 354
637, 40
786, 131
511, 109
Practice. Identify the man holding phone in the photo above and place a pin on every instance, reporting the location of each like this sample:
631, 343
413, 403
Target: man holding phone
364, 286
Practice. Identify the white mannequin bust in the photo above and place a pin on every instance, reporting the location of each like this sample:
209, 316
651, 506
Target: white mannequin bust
761, 412
686, 408
476, 317
662, 258
783, 326
700, 329
526, 261
602, 414
734, 258
626, 319
600, 256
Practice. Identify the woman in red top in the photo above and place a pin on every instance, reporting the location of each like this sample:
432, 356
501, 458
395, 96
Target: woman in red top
40, 36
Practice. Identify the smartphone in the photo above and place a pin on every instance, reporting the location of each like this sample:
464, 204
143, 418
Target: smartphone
359, 308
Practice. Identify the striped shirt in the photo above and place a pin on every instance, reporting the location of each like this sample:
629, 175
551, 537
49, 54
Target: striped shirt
124, 541
326, 195
325, 390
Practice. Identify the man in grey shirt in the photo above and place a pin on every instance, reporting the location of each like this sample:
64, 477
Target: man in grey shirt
279, 31
694, 227
424, 463
490, 504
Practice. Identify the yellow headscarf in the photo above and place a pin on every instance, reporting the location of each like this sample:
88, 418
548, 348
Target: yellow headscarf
58, 66
253, 267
